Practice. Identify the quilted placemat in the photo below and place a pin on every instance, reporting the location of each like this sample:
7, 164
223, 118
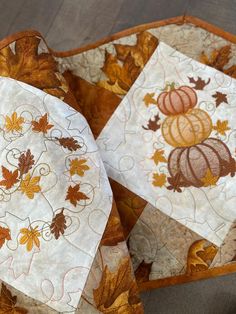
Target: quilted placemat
172, 142
55, 198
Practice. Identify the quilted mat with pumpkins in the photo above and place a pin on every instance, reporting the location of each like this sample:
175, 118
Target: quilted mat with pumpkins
117, 166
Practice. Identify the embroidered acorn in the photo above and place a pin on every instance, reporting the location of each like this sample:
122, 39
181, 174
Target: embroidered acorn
192, 163
176, 100
187, 129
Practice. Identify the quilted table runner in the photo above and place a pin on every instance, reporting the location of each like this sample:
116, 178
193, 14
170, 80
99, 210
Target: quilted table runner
153, 109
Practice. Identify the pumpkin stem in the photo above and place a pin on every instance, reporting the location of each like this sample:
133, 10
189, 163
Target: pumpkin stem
169, 87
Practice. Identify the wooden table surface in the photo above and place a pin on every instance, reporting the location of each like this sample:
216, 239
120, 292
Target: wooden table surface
68, 24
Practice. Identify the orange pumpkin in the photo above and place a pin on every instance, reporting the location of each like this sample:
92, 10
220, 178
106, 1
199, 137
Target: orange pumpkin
187, 129
192, 163
177, 100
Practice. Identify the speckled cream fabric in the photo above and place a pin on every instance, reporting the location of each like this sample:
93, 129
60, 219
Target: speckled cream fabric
55, 198
177, 152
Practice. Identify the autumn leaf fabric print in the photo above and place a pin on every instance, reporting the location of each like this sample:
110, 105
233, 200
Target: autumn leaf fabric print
171, 142
53, 191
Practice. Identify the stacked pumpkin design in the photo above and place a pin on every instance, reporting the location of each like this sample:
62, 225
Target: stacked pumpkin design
188, 129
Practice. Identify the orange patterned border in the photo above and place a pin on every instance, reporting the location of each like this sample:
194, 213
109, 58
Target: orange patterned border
223, 270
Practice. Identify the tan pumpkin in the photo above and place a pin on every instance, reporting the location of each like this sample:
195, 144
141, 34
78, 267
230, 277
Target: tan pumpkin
187, 129
193, 162
177, 100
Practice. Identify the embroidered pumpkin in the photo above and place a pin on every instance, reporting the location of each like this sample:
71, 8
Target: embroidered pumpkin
176, 100
187, 129
193, 162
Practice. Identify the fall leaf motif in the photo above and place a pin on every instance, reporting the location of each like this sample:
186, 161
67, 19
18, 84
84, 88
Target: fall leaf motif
209, 179
199, 84
26, 161
159, 179
69, 143
117, 290
58, 224
220, 97
115, 88
30, 237
218, 59
74, 194
143, 271
42, 125
4, 235
175, 183
200, 255
78, 166
14, 123
122, 75
221, 127
153, 124
158, 156
8, 303
30, 186
148, 99
26, 64
10, 178
141, 51
114, 232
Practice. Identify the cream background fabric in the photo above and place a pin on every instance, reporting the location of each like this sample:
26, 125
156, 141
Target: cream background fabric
55, 271
127, 148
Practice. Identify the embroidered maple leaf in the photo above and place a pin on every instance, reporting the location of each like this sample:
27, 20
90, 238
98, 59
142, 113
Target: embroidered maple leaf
58, 224
117, 291
14, 123
74, 194
220, 97
69, 143
199, 83
78, 166
221, 127
158, 156
8, 303
176, 182
159, 179
148, 99
153, 125
29, 186
4, 235
10, 177
30, 237
209, 179
201, 253
42, 124
26, 161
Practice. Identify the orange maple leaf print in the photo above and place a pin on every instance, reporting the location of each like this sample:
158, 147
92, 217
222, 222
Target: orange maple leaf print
14, 123
8, 303
209, 179
30, 237
78, 166
74, 195
29, 186
42, 125
10, 178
